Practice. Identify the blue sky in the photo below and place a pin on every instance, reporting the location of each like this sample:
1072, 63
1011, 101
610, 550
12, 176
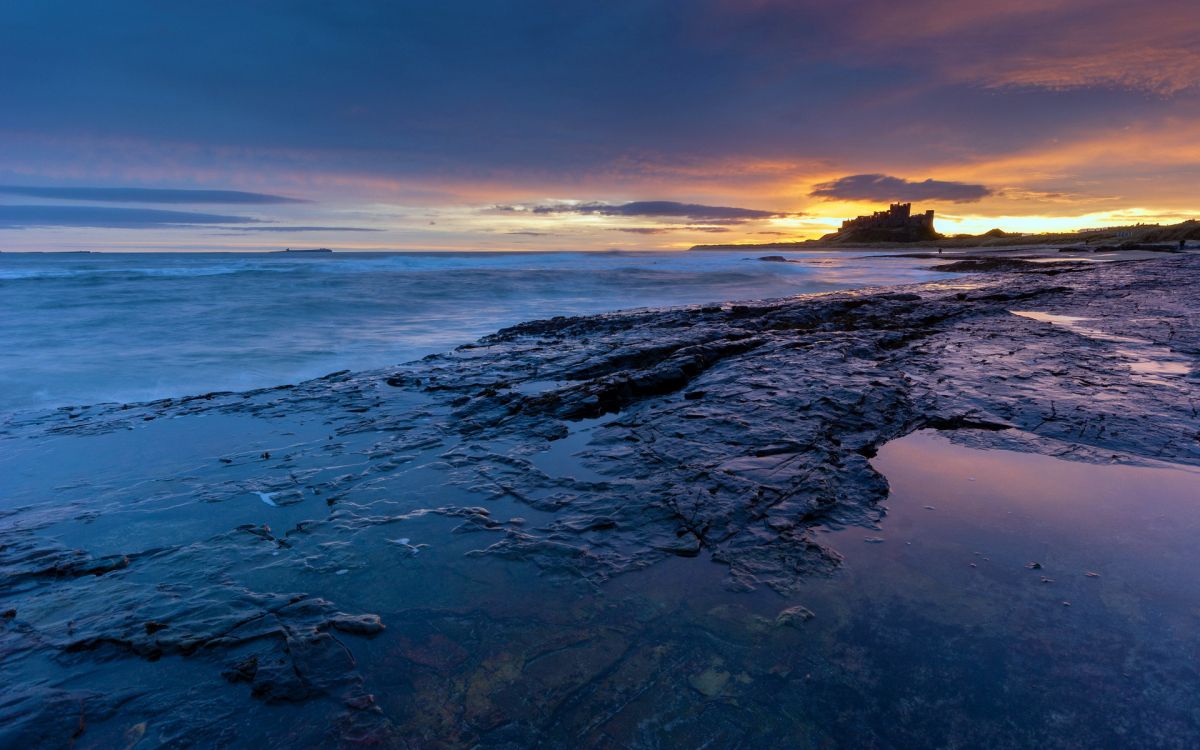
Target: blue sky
458, 124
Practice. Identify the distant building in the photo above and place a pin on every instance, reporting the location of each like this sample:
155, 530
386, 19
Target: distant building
897, 224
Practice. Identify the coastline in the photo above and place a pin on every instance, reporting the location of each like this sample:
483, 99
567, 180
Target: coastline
592, 446
286, 318
1147, 238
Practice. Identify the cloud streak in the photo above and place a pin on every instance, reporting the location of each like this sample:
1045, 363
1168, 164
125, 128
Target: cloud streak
26, 217
666, 230
641, 230
301, 229
146, 195
881, 187
655, 209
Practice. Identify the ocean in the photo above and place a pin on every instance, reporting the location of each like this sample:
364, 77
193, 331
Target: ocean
88, 328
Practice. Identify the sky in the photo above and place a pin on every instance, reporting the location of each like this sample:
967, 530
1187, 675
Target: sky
627, 124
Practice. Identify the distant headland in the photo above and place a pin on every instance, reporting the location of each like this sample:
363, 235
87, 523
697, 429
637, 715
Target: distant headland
898, 225
306, 252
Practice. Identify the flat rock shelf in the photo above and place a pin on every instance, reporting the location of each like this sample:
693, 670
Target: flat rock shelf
611, 531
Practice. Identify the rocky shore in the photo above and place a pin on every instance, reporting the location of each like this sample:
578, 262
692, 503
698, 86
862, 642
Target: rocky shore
137, 537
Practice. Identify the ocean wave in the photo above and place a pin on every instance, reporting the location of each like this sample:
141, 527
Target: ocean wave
107, 327
130, 274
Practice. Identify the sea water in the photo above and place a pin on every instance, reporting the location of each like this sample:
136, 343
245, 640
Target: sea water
89, 328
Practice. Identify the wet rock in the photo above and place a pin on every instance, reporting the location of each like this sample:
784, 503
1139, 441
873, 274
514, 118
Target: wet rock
794, 616
710, 682
436, 652
589, 523
37, 717
686, 544
242, 671
134, 734
992, 265
275, 681
798, 394
357, 624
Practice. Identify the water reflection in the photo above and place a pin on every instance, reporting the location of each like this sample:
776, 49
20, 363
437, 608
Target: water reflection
1006, 600
1145, 357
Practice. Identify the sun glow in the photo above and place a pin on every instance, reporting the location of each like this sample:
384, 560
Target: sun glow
1035, 224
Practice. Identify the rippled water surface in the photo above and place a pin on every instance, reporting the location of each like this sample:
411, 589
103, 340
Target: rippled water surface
79, 329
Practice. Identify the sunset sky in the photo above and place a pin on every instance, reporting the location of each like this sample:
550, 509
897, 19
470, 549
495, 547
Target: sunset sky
632, 124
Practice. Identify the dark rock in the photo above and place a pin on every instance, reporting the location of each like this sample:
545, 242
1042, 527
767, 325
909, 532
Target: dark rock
992, 265
242, 671
357, 624
686, 544
794, 616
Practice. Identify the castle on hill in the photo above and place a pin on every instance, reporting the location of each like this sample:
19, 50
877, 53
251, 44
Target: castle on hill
896, 224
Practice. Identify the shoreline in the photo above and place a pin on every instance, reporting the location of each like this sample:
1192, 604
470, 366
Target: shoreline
579, 450
987, 277
539, 378
298, 320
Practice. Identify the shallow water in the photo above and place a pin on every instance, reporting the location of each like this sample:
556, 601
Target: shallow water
1145, 358
78, 329
936, 631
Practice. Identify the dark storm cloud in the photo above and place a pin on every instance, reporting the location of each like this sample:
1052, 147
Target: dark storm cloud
22, 217
661, 209
145, 195
881, 187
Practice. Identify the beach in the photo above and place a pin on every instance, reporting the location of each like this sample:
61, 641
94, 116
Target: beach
861, 516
